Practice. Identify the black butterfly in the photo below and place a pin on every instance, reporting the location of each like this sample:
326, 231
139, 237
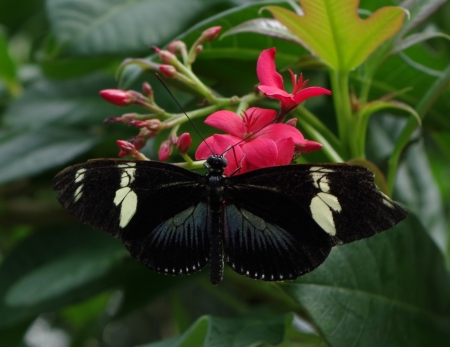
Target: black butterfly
272, 224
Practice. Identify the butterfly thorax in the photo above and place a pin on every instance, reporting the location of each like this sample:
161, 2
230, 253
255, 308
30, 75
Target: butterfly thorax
216, 165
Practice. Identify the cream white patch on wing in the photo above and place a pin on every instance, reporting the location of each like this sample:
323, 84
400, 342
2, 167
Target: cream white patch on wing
79, 177
127, 200
125, 197
386, 200
322, 215
324, 203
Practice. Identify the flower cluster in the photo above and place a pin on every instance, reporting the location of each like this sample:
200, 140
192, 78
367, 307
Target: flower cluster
253, 139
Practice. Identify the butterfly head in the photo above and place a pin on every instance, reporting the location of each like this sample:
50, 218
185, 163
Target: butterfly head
216, 164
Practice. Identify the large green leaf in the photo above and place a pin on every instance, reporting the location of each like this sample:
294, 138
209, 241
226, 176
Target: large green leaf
67, 103
415, 185
52, 268
389, 290
29, 152
334, 32
99, 27
209, 331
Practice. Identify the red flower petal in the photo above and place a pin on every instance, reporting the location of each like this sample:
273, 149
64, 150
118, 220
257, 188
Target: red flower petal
308, 146
226, 121
260, 153
280, 131
273, 91
266, 70
258, 118
218, 143
285, 151
310, 92
203, 150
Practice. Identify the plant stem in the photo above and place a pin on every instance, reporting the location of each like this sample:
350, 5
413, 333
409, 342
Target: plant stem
305, 116
422, 108
344, 117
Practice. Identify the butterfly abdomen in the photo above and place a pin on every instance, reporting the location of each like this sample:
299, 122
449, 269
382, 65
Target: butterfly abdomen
215, 227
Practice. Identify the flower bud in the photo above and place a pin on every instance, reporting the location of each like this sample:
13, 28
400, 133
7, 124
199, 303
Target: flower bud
138, 141
126, 148
176, 47
118, 97
184, 142
138, 123
211, 33
168, 71
292, 122
165, 56
198, 49
147, 89
165, 150
154, 124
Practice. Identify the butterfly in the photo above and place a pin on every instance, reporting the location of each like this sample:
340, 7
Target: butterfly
271, 224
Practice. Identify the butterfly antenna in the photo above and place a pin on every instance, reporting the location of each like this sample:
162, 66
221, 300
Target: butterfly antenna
182, 110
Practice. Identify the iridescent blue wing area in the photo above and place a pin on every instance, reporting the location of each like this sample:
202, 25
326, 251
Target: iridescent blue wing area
156, 209
281, 222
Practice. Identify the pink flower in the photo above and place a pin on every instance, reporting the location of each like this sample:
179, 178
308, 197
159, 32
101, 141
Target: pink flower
272, 83
257, 141
118, 97
184, 142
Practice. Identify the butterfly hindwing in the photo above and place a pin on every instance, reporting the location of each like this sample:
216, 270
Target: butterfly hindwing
178, 246
319, 206
156, 209
265, 250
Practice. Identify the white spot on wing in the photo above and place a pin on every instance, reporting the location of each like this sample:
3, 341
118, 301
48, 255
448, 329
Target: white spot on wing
79, 175
322, 215
78, 193
321, 169
331, 201
128, 164
127, 199
387, 201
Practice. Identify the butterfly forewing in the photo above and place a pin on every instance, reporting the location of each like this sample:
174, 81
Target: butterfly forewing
308, 209
155, 208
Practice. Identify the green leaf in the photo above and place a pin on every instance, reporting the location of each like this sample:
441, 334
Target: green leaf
417, 38
389, 290
53, 268
102, 27
334, 32
414, 183
67, 103
419, 11
29, 152
264, 26
378, 105
8, 71
238, 332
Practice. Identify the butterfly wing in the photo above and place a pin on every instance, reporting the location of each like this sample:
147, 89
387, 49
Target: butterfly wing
156, 209
281, 222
